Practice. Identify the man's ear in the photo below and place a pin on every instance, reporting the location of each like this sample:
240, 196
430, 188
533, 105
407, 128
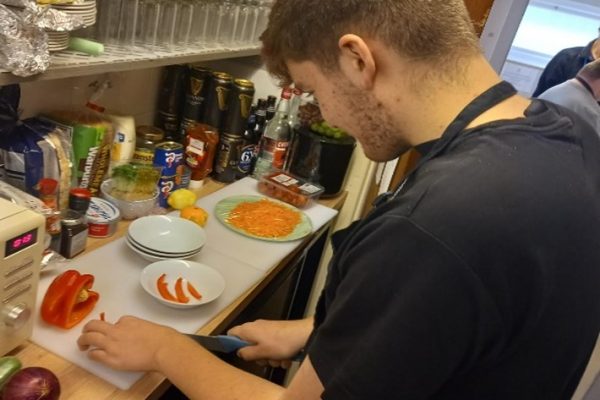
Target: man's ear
357, 61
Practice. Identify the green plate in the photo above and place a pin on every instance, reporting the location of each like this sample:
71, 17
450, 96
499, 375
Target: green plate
224, 207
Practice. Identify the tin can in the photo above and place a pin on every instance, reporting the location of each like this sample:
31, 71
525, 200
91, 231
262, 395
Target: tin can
172, 86
195, 93
217, 99
169, 123
147, 137
166, 185
169, 156
240, 103
102, 218
228, 156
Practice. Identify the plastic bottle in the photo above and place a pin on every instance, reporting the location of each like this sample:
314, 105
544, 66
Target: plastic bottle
200, 147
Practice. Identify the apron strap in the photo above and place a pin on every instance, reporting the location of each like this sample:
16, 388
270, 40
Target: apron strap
482, 103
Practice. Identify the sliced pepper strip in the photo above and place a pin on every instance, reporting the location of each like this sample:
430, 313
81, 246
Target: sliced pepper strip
69, 299
163, 289
181, 297
193, 291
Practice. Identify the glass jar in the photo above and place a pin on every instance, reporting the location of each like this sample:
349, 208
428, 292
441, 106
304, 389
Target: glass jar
146, 139
74, 233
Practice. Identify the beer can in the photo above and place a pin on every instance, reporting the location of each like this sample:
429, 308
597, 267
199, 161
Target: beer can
169, 123
240, 103
186, 124
227, 159
217, 99
169, 156
170, 99
195, 93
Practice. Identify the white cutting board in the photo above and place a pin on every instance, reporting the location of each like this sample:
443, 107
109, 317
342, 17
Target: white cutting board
260, 254
242, 261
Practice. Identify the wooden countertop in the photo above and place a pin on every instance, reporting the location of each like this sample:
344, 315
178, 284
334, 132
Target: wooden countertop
78, 384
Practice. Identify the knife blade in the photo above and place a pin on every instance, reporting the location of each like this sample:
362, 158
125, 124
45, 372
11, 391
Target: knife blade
220, 343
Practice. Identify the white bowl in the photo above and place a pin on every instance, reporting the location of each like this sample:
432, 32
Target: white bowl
159, 254
129, 209
155, 257
166, 234
208, 281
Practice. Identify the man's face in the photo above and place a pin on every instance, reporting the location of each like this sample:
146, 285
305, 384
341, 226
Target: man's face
354, 110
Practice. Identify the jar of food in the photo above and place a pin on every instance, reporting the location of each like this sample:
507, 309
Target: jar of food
147, 137
74, 233
79, 200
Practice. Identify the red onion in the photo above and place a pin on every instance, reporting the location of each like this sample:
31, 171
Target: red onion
32, 383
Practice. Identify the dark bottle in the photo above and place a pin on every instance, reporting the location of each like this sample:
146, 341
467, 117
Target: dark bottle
248, 147
271, 107
260, 121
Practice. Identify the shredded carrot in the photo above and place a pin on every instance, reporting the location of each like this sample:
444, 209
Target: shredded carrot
264, 218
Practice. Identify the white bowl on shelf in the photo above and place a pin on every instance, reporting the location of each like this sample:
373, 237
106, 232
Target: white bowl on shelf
167, 234
206, 280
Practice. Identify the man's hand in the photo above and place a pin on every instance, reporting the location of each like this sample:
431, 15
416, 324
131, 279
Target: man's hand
130, 344
275, 342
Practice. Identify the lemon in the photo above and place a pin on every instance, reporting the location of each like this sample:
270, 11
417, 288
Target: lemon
182, 198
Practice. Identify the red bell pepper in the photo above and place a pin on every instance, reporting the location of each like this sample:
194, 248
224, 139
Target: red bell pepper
69, 299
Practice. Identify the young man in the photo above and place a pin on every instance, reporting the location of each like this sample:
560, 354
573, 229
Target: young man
580, 94
565, 65
477, 279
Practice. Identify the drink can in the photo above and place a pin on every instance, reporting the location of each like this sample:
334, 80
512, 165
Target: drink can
186, 124
166, 185
171, 90
228, 157
195, 93
240, 103
169, 123
217, 99
169, 156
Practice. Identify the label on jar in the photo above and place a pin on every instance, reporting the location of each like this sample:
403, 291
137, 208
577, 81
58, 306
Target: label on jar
143, 155
78, 243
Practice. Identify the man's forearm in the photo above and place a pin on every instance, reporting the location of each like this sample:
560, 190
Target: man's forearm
202, 376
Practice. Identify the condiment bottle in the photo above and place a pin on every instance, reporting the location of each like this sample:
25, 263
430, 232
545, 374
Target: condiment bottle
74, 233
200, 147
47, 189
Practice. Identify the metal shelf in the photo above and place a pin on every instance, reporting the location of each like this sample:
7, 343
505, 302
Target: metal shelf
67, 64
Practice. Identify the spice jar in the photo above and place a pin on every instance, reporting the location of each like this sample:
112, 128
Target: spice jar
74, 233
79, 200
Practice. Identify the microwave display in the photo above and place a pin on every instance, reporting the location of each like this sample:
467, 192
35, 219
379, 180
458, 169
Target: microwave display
20, 242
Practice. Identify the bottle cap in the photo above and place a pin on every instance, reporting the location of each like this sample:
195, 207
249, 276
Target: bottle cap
47, 186
196, 184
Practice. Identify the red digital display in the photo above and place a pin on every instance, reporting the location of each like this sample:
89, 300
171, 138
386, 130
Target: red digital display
20, 242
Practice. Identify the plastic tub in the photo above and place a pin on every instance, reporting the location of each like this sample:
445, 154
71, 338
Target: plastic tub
130, 209
289, 188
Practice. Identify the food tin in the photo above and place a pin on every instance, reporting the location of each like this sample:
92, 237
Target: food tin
169, 156
102, 218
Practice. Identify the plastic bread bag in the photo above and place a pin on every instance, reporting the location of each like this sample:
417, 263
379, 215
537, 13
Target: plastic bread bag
32, 149
23, 45
92, 137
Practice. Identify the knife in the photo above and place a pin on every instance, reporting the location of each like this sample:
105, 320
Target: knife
227, 344
220, 343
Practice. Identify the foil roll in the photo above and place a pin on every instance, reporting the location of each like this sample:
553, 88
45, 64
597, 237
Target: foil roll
23, 46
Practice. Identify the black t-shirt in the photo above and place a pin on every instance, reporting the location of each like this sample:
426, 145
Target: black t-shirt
564, 66
480, 280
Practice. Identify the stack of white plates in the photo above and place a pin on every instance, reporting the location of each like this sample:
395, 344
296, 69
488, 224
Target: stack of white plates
57, 40
161, 237
85, 9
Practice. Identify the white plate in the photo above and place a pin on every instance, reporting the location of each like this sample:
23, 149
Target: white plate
165, 234
158, 254
150, 257
206, 280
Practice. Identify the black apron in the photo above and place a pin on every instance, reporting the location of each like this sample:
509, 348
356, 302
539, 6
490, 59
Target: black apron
482, 103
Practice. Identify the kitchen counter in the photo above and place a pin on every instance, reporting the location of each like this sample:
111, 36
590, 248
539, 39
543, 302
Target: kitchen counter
77, 383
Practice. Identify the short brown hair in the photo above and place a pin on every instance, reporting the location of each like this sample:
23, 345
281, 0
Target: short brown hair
591, 70
422, 30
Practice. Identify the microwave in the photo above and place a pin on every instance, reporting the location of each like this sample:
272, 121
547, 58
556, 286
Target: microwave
21, 245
